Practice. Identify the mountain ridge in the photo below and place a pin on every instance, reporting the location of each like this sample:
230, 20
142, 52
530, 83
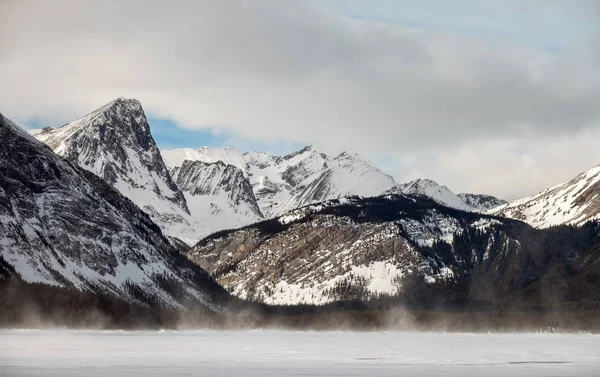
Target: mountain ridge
115, 143
134, 165
572, 202
219, 195
281, 183
306, 176
356, 248
63, 225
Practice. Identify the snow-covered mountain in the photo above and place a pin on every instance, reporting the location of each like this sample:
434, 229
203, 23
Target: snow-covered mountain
481, 202
304, 177
230, 156
115, 143
62, 225
433, 190
219, 196
444, 196
573, 202
355, 248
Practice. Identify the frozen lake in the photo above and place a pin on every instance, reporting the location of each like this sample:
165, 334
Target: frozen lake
282, 353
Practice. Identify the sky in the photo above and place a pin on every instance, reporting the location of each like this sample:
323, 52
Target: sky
498, 97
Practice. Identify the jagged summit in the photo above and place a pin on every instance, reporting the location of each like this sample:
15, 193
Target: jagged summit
113, 129
481, 202
443, 195
282, 183
432, 189
176, 157
115, 143
219, 195
62, 225
121, 108
309, 175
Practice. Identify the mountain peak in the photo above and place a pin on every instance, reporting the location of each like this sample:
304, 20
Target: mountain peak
120, 104
421, 186
122, 116
124, 108
346, 155
122, 101
443, 195
573, 202
64, 226
426, 182
219, 194
303, 177
115, 143
432, 189
308, 150
481, 202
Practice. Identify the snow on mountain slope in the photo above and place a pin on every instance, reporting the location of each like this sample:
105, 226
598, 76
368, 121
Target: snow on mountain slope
303, 177
219, 196
355, 248
62, 225
481, 202
444, 196
229, 156
573, 202
276, 269
343, 175
435, 191
114, 142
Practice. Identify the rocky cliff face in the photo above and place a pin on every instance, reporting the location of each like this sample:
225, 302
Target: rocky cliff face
63, 225
301, 178
364, 247
114, 142
481, 202
574, 202
219, 196
283, 183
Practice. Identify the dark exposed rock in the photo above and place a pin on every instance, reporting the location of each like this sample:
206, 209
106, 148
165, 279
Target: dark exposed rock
368, 245
481, 202
115, 143
63, 225
200, 178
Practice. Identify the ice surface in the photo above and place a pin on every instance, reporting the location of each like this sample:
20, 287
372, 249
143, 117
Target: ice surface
279, 353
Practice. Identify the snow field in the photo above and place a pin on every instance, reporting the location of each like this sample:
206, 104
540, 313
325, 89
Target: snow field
280, 353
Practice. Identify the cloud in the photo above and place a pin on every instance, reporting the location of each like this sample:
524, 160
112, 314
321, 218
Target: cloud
506, 167
289, 71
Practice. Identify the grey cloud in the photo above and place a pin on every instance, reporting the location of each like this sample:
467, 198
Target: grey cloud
276, 70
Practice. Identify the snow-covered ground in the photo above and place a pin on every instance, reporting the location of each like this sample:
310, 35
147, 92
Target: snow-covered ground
279, 353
